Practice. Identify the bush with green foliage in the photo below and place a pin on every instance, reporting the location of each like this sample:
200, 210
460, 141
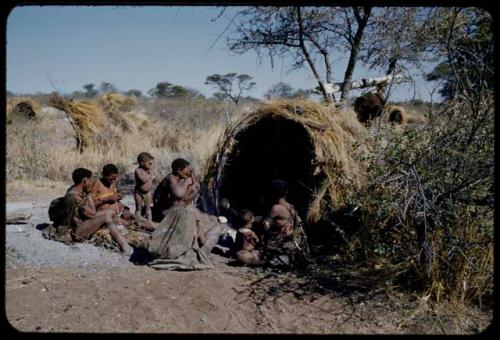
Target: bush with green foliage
427, 207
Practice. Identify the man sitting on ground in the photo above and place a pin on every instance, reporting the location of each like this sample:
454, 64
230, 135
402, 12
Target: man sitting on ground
80, 216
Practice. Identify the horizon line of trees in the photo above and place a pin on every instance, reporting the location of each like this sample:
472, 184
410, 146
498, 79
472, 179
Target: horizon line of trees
231, 87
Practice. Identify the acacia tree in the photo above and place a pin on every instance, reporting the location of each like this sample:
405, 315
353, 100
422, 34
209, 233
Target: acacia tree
232, 85
283, 90
168, 90
279, 90
108, 87
304, 33
400, 38
466, 67
134, 93
352, 32
90, 90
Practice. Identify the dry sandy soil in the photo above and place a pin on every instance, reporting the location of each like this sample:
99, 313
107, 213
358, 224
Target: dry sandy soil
51, 287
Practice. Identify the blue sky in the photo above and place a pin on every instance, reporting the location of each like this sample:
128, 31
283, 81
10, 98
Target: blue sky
64, 47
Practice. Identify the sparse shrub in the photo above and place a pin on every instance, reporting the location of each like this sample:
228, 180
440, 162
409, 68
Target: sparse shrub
428, 205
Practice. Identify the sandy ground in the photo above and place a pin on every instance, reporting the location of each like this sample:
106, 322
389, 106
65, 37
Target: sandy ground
52, 287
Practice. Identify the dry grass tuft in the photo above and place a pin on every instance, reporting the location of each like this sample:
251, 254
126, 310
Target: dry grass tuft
114, 103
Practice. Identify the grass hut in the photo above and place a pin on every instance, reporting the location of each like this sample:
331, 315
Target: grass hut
397, 114
305, 143
22, 107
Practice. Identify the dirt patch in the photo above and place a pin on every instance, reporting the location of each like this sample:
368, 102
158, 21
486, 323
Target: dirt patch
34, 191
223, 300
52, 287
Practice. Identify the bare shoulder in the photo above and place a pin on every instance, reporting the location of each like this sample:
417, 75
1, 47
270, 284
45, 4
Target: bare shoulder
97, 185
139, 170
171, 179
71, 195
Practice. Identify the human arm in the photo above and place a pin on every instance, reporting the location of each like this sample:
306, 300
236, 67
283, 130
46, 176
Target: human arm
87, 206
102, 195
280, 218
143, 175
179, 188
192, 192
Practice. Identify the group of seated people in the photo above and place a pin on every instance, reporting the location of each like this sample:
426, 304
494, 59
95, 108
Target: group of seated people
181, 236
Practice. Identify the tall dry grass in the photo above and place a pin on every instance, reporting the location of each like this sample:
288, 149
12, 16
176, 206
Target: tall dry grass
44, 147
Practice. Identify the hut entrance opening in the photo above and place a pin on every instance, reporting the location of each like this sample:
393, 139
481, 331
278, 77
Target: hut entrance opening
269, 149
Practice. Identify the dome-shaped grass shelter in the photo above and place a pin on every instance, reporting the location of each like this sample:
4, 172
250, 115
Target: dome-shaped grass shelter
308, 144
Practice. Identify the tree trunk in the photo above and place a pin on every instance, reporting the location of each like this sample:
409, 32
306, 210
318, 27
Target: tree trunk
392, 65
307, 56
362, 21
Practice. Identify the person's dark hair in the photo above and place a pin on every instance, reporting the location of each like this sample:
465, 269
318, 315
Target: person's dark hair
79, 174
245, 216
109, 169
179, 164
279, 188
144, 156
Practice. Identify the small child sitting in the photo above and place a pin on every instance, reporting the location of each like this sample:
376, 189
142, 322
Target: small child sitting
143, 193
246, 240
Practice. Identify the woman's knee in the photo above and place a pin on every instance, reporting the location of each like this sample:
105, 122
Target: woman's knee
108, 217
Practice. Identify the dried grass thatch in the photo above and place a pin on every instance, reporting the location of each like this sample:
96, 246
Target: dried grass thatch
86, 118
117, 107
332, 132
397, 114
133, 122
102, 238
114, 103
22, 107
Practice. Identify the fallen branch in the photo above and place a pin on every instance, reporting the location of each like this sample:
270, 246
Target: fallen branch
363, 83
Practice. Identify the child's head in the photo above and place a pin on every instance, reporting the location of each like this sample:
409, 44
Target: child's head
145, 160
246, 218
83, 176
181, 167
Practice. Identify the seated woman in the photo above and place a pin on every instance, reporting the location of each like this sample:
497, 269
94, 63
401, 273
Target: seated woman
184, 237
285, 238
106, 196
